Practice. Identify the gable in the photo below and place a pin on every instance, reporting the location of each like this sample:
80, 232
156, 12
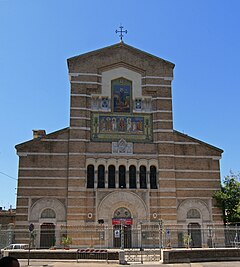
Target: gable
188, 145
118, 53
35, 143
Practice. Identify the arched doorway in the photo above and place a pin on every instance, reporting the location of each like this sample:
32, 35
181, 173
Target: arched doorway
122, 228
47, 235
194, 230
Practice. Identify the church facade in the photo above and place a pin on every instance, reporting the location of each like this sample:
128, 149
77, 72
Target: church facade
120, 162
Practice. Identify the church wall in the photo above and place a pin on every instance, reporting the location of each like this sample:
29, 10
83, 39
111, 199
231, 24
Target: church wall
42, 175
186, 169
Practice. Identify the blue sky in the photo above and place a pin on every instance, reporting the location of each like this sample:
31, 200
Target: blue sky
201, 37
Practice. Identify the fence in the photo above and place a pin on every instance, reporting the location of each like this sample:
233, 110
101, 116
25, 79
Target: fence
141, 237
6, 237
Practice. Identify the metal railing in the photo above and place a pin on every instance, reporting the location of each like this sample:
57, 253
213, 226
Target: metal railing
145, 236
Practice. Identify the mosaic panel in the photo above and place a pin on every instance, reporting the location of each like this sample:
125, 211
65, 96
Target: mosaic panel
121, 95
110, 127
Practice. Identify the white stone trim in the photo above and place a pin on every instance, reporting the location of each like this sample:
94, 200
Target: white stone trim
79, 140
39, 196
22, 154
82, 197
161, 111
168, 78
42, 178
186, 143
80, 118
178, 143
162, 131
165, 189
161, 98
119, 155
86, 82
54, 140
156, 85
163, 207
76, 74
43, 187
198, 179
82, 169
166, 170
163, 142
168, 214
204, 171
163, 197
79, 108
194, 198
185, 170
81, 128
47, 154
76, 214
162, 120
79, 189
83, 95
197, 189
166, 179
77, 178
82, 207
45, 169
198, 157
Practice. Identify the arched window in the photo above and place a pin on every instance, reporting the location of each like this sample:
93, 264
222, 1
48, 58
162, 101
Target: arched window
111, 176
122, 176
193, 214
143, 177
101, 176
90, 176
132, 177
122, 213
153, 177
48, 213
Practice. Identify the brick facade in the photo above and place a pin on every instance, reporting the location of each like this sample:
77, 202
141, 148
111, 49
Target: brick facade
53, 168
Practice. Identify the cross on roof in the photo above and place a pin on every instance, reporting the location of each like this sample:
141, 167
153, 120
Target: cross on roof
121, 32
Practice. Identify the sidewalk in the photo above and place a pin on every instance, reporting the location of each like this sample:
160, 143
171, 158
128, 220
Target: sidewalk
54, 263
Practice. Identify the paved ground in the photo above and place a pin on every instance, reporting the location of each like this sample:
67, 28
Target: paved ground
53, 263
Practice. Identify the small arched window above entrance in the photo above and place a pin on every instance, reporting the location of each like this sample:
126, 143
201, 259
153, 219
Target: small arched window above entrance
90, 176
143, 177
122, 176
132, 177
153, 177
111, 176
122, 213
48, 213
101, 176
193, 214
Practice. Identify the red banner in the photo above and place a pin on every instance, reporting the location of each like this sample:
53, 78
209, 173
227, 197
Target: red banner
123, 221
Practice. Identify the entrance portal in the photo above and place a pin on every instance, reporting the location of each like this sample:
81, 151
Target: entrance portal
47, 236
122, 229
194, 230
118, 231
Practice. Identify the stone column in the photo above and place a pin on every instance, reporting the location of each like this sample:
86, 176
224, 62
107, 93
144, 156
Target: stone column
95, 177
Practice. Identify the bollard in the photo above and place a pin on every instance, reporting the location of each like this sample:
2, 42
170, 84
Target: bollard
122, 257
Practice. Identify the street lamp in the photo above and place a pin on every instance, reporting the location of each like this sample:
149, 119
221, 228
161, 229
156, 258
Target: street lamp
141, 249
101, 234
122, 235
160, 223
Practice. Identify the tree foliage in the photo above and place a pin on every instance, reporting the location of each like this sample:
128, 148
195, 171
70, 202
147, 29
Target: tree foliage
228, 198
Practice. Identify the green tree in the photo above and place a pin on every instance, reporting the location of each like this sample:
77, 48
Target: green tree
228, 198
